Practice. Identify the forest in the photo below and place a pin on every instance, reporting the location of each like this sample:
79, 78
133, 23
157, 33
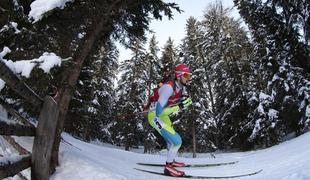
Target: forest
250, 86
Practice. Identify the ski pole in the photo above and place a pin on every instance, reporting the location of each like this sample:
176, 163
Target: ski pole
123, 116
66, 142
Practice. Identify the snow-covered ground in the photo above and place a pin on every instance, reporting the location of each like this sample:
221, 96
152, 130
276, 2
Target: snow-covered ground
287, 161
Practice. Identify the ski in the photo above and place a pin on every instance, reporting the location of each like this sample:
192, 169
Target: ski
193, 165
202, 177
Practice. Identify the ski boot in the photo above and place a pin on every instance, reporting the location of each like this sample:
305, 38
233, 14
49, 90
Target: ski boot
171, 171
177, 164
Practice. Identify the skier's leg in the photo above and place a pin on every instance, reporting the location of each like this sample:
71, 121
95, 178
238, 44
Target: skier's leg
163, 120
175, 141
164, 127
172, 137
155, 122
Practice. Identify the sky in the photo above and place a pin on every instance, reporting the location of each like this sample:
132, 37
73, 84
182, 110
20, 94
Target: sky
176, 28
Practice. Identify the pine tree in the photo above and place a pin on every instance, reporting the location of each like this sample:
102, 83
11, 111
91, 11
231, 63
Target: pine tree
79, 117
155, 65
131, 94
91, 107
279, 106
227, 50
104, 101
168, 59
295, 14
153, 77
197, 122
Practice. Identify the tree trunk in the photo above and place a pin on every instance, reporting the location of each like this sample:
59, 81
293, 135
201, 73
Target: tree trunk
146, 146
102, 26
44, 140
194, 139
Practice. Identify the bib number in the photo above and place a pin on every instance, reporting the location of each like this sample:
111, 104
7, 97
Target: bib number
157, 123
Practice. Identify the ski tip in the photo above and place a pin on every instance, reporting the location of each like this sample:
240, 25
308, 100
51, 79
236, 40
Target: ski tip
259, 170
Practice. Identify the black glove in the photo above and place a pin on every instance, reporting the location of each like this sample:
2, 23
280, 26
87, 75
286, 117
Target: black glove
185, 103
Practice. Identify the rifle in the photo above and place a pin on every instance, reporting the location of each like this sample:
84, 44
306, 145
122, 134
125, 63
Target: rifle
123, 116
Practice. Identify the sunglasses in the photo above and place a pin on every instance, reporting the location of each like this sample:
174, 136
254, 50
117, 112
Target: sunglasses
186, 75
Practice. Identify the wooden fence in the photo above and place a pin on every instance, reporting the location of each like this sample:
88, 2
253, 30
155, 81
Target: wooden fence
44, 134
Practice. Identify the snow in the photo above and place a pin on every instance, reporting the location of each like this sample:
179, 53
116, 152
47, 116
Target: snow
81, 35
256, 128
6, 120
39, 7
2, 84
287, 88
24, 67
11, 159
308, 111
48, 61
14, 24
286, 161
263, 96
273, 114
260, 109
5, 51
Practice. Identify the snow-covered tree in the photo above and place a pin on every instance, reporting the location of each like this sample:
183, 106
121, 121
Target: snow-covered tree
105, 95
197, 121
168, 59
226, 51
279, 105
91, 107
153, 78
154, 64
131, 94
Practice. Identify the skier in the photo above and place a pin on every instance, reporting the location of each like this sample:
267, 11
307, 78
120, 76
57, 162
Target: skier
169, 94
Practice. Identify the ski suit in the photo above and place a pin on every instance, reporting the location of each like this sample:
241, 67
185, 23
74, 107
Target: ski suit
169, 94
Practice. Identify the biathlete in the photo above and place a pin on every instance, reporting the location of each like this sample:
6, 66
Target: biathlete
168, 100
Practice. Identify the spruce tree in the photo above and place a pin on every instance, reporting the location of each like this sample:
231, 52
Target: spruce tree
226, 49
105, 95
91, 107
279, 106
196, 122
153, 78
131, 93
168, 58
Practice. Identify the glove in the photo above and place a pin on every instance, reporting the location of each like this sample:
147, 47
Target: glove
146, 106
185, 103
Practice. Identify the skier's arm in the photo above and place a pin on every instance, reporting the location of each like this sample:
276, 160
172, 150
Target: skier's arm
181, 105
170, 110
164, 94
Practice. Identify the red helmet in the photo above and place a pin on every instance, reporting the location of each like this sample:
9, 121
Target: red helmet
182, 70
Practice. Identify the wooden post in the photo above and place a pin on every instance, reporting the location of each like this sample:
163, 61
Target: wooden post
19, 148
14, 113
44, 140
12, 168
18, 86
16, 129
